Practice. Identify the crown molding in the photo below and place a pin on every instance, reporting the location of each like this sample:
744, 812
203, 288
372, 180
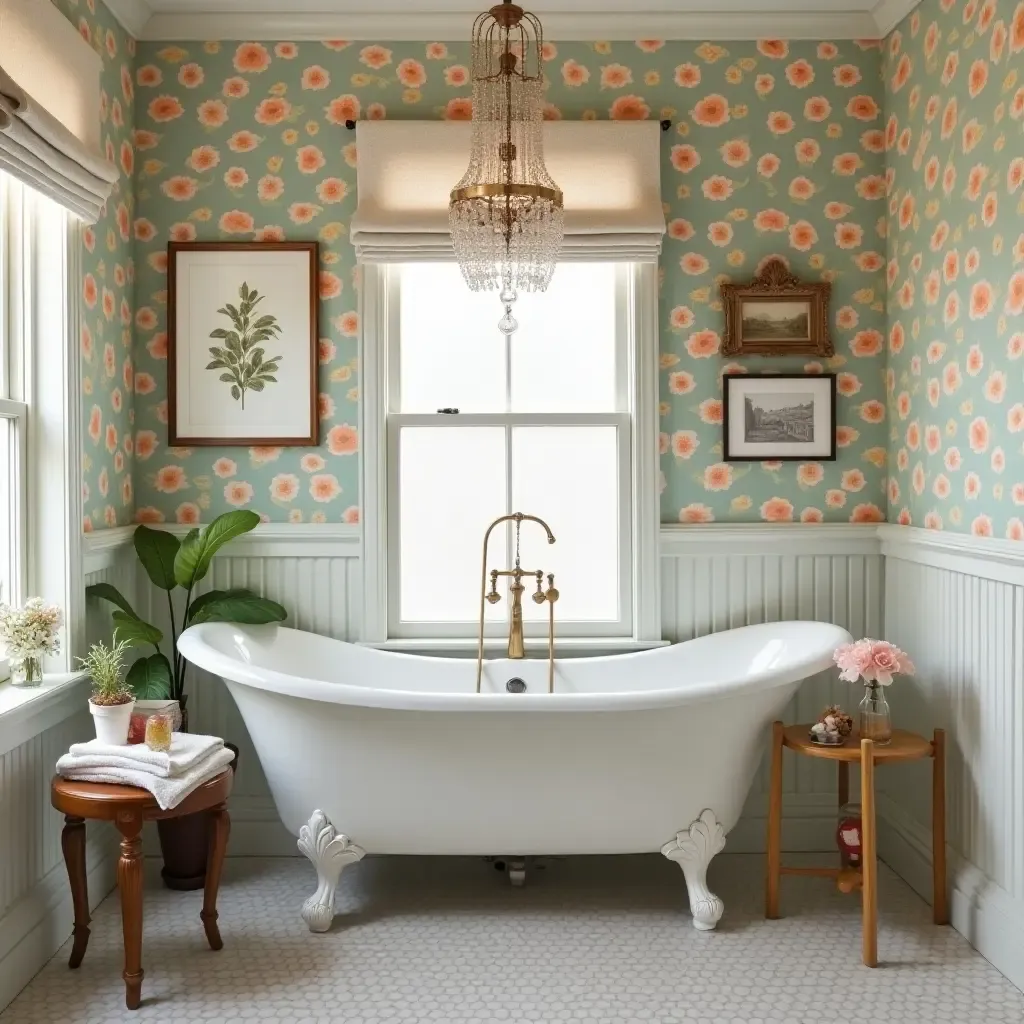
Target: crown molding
887, 14
150, 25
133, 15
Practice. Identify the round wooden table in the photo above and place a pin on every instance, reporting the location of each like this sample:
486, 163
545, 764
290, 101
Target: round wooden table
904, 746
128, 808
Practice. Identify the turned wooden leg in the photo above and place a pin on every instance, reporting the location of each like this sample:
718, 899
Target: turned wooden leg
774, 870
220, 829
129, 882
869, 863
72, 842
940, 907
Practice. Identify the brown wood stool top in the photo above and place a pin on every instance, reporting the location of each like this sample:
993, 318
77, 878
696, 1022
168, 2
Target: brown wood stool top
128, 808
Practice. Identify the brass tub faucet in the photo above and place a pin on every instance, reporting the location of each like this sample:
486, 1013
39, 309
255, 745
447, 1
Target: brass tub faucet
517, 589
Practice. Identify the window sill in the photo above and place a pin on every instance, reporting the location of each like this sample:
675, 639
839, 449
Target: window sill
25, 712
495, 647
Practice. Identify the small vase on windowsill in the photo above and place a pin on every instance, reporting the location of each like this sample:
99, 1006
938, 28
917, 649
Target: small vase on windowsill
875, 721
27, 670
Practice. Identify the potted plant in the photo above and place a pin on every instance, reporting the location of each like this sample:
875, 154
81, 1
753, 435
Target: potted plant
178, 567
111, 703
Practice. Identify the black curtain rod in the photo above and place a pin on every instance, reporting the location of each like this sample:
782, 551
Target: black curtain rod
665, 125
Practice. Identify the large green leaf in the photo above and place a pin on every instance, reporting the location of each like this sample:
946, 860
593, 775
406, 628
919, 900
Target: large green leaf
108, 592
157, 550
241, 606
150, 678
198, 548
134, 631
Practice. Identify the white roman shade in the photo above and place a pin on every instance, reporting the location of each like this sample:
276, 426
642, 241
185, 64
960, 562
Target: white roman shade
609, 173
50, 108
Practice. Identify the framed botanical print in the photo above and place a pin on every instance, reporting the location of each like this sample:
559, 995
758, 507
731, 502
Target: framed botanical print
242, 343
784, 417
776, 314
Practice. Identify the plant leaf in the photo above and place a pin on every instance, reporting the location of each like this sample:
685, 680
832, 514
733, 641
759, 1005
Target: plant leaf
134, 632
150, 678
156, 550
256, 384
217, 364
241, 606
108, 592
199, 547
220, 332
226, 377
236, 394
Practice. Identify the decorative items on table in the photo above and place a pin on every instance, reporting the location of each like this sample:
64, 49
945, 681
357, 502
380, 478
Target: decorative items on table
169, 775
112, 700
875, 662
832, 728
29, 633
145, 709
159, 732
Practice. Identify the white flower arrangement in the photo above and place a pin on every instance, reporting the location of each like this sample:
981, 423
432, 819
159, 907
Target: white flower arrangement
32, 630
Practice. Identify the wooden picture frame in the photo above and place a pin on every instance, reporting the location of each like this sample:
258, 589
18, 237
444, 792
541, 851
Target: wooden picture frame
213, 288
776, 314
764, 417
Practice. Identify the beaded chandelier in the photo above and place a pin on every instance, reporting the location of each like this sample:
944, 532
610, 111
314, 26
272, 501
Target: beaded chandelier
506, 212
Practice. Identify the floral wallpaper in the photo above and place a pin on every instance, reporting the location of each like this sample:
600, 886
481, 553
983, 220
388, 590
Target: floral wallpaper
777, 149
108, 275
954, 135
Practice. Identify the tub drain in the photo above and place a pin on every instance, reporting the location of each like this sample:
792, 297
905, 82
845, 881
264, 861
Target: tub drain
516, 685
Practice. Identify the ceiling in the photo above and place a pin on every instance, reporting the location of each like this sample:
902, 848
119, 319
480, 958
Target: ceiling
563, 19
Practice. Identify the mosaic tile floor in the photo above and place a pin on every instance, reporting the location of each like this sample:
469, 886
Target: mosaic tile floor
588, 940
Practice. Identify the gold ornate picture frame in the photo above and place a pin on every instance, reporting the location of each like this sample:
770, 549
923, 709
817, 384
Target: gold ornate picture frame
777, 314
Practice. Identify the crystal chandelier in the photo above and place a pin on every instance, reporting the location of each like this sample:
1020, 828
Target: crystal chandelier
506, 212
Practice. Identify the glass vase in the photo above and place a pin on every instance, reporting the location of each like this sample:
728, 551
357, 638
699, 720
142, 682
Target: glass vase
875, 721
27, 670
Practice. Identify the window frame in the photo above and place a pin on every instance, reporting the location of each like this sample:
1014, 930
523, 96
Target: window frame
637, 424
40, 244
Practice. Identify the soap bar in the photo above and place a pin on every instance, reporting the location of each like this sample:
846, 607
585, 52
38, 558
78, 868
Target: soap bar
158, 732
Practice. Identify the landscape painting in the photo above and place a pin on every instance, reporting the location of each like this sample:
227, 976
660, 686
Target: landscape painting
775, 321
779, 416
776, 314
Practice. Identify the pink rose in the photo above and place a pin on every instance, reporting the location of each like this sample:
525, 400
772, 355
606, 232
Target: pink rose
854, 660
887, 661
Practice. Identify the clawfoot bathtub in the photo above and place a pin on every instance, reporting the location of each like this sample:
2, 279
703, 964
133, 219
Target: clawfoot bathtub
368, 751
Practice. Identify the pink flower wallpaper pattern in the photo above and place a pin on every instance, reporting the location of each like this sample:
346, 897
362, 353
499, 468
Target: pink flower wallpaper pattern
954, 137
108, 283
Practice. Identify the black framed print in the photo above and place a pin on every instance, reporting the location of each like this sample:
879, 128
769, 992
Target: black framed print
778, 416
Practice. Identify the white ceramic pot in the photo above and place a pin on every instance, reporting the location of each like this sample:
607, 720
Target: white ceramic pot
112, 721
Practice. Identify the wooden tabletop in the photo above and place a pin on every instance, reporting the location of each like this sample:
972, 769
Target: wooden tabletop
904, 746
104, 800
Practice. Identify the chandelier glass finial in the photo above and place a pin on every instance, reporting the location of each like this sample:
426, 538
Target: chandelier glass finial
506, 213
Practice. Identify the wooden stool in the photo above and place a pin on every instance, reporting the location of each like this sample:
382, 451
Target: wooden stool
128, 807
904, 746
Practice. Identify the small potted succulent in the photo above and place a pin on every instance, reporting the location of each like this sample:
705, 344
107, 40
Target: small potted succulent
112, 702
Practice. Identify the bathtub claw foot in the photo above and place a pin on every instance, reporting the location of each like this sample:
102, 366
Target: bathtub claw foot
330, 852
693, 850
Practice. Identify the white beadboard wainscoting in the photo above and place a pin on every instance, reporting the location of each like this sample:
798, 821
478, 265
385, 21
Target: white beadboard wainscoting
35, 900
956, 604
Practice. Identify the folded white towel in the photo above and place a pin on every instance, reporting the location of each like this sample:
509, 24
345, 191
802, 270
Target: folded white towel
186, 751
169, 792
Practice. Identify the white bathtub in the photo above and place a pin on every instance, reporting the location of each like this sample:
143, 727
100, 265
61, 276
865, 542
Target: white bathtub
371, 751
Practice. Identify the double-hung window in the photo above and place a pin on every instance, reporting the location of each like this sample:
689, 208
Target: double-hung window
467, 425
14, 407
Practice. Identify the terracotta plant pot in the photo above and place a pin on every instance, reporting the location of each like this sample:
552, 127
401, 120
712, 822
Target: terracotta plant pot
183, 843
